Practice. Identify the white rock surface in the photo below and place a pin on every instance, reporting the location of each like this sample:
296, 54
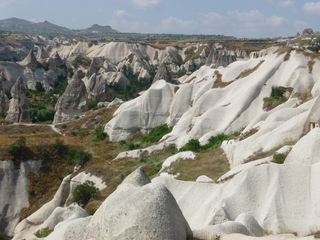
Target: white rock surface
307, 150
281, 197
177, 157
138, 209
14, 192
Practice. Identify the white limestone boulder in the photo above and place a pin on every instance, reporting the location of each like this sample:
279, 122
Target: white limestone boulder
138, 209
307, 150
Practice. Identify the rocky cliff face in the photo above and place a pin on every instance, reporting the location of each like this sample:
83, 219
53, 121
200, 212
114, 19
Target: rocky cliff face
162, 74
19, 104
3, 96
73, 101
14, 192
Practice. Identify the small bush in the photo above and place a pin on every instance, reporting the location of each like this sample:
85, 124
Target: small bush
19, 150
84, 192
3, 236
99, 133
76, 156
157, 133
192, 145
279, 158
43, 232
92, 104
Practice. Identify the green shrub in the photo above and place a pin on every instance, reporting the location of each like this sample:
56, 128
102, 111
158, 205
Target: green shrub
43, 232
3, 236
99, 133
157, 133
76, 156
277, 93
92, 104
39, 87
192, 145
19, 150
84, 192
217, 140
279, 158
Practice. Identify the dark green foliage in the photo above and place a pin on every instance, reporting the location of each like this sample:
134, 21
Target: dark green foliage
83, 193
92, 212
20, 151
8, 93
157, 133
279, 158
217, 140
132, 90
39, 113
133, 146
3, 236
214, 142
43, 232
39, 87
77, 156
192, 145
277, 93
99, 133
92, 104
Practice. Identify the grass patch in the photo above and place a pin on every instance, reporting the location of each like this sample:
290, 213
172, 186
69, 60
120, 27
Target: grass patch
276, 98
43, 232
247, 72
213, 143
213, 164
156, 134
218, 83
279, 158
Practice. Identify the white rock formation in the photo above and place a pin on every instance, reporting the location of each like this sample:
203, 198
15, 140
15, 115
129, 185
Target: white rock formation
19, 104
201, 108
138, 209
73, 101
14, 192
282, 198
177, 157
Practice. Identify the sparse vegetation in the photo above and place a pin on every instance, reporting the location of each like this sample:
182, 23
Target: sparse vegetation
156, 134
99, 133
276, 98
3, 236
43, 232
213, 143
279, 158
247, 72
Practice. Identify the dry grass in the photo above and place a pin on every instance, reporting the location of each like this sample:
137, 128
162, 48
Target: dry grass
218, 83
213, 164
310, 65
247, 72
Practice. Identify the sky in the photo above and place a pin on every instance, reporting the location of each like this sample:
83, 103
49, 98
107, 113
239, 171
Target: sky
238, 18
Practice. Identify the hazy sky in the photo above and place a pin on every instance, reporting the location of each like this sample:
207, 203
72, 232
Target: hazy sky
239, 18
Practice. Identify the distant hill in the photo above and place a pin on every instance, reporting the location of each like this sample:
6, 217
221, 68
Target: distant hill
95, 28
24, 26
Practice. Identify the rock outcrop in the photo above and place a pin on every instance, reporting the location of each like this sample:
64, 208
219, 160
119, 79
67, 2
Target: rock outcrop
162, 74
30, 61
98, 88
14, 192
3, 96
138, 209
73, 101
19, 104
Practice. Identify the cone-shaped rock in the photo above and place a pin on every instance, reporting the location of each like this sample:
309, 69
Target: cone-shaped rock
95, 65
3, 97
73, 101
162, 74
19, 104
30, 61
42, 54
98, 88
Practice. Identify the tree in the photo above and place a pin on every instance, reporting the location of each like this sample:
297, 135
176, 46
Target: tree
84, 192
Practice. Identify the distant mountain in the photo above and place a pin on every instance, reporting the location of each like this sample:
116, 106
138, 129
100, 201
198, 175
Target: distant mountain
95, 28
24, 26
